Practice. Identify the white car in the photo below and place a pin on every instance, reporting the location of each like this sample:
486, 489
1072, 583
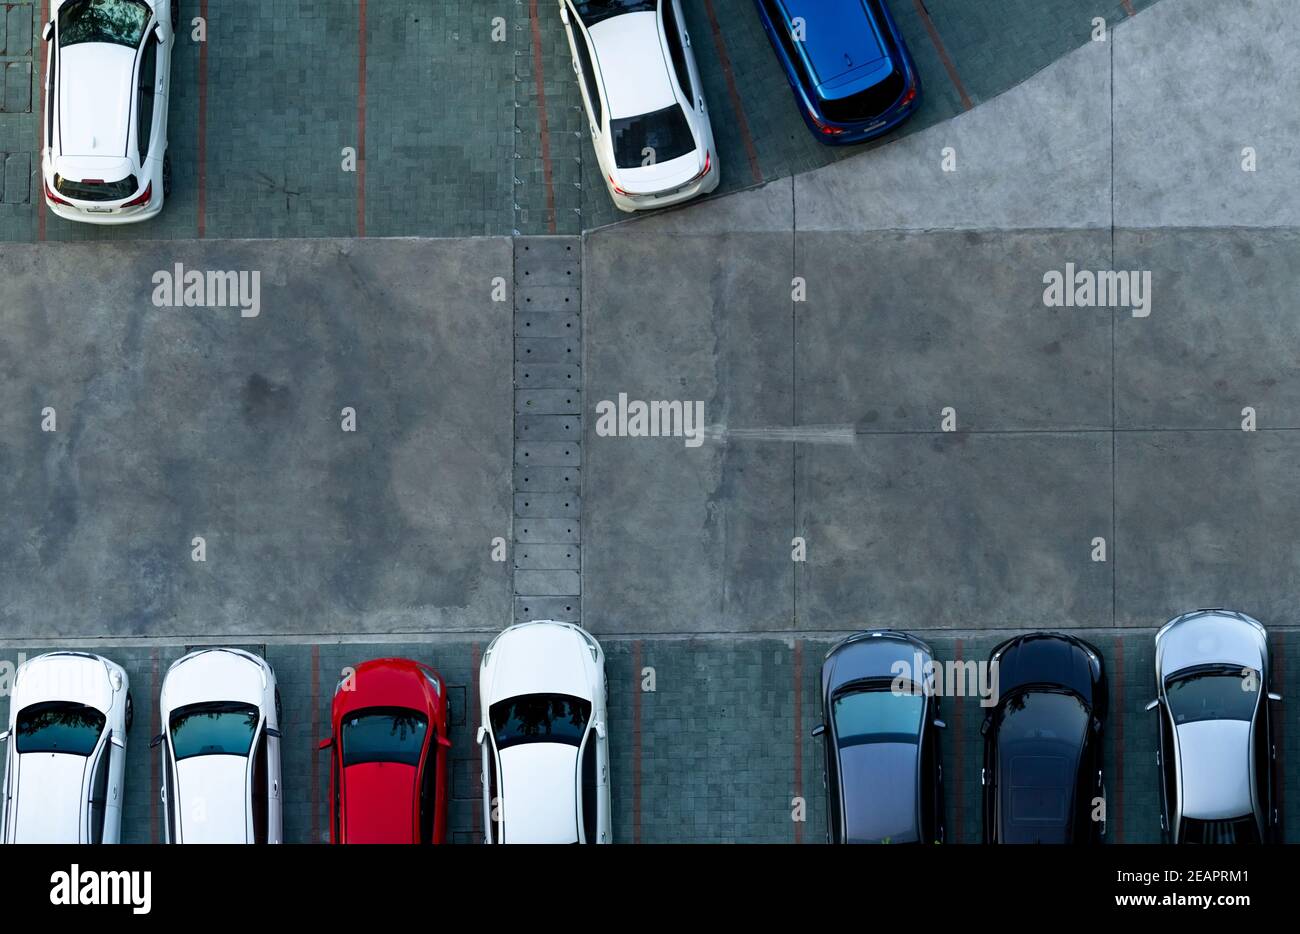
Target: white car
69, 713
543, 737
106, 90
220, 711
644, 100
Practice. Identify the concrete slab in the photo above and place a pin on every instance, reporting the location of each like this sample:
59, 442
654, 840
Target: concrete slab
972, 531
1014, 169
1206, 519
684, 539
899, 326
182, 422
1222, 334
1181, 127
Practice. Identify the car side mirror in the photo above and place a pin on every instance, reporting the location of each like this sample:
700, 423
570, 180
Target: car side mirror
326, 743
481, 736
444, 742
1154, 704
155, 741
940, 724
819, 729
272, 731
599, 727
47, 31
1096, 724
158, 35
986, 726
1274, 696
4, 736
117, 741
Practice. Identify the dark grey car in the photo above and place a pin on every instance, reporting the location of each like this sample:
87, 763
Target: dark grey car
880, 733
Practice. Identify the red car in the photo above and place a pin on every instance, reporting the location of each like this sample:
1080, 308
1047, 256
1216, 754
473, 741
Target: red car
388, 754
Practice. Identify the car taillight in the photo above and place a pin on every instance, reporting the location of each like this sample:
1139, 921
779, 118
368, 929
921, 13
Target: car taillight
823, 126
708, 162
143, 199
616, 188
908, 97
51, 196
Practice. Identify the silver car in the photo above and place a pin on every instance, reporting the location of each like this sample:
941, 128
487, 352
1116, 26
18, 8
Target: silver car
1216, 757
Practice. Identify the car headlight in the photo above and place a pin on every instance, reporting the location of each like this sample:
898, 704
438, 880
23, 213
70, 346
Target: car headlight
437, 688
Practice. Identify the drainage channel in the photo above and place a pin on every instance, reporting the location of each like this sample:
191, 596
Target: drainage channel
548, 429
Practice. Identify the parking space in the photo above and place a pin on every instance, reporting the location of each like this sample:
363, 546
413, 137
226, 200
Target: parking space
337, 118
344, 454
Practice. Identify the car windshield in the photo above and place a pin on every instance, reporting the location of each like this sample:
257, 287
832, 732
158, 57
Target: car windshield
651, 139
1213, 694
593, 11
217, 729
878, 715
384, 734
1233, 830
539, 718
119, 22
59, 727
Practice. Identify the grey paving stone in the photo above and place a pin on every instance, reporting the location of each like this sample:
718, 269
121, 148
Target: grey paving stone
16, 187
547, 479
548, 401
549, 556
548, 427
549, 582
531, 351
548, 453
546, 531
548, 505
560, 609
547, 324
547, 375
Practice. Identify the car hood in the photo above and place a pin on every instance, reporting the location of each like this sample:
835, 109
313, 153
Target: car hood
539, 659
1207, 640
95, 98
1045, 659
49, 801
873, 657
73, 678
878, 781
1215, 763
539, 791
213, 799
380, 799
213, 676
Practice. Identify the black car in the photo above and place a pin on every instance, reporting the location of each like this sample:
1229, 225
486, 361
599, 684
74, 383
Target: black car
880, 732
1042, 773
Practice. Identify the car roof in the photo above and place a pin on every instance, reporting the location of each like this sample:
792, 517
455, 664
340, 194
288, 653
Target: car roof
220, 782
379, 802
96, 98
842, 41
539, 793
633, 67
878, 782
1214, 764
47, 808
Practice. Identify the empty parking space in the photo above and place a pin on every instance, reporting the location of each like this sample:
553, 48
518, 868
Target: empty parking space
344, 455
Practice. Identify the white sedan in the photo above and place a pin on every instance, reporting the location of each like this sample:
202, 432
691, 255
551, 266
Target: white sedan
220, 711
644, 100
543, 737
69, 714
106, 90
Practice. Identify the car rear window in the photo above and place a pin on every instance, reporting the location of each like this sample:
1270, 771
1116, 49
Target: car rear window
384, 734
1234, 830
651, 138
59, 727
119, 22
865, 105
96, 190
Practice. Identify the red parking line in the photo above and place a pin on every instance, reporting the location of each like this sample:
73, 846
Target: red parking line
943, 54
476, 805
361, 120
798, 733
1115, 806
203, 124
40, 127
734, 92
155, 727
636, 741
544, 123
315, 742
958, 758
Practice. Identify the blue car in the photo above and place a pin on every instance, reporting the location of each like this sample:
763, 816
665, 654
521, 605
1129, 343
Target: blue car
852, 75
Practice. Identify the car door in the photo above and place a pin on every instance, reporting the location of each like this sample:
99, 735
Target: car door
95, 805
274, 808
584, 68
683, 57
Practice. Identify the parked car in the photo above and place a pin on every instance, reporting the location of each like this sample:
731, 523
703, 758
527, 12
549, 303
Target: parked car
1042, 772
543, 737
69, 713
852, 75
388, 754
1216, 756
107, 88
644, 100
220, 749
880, 737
